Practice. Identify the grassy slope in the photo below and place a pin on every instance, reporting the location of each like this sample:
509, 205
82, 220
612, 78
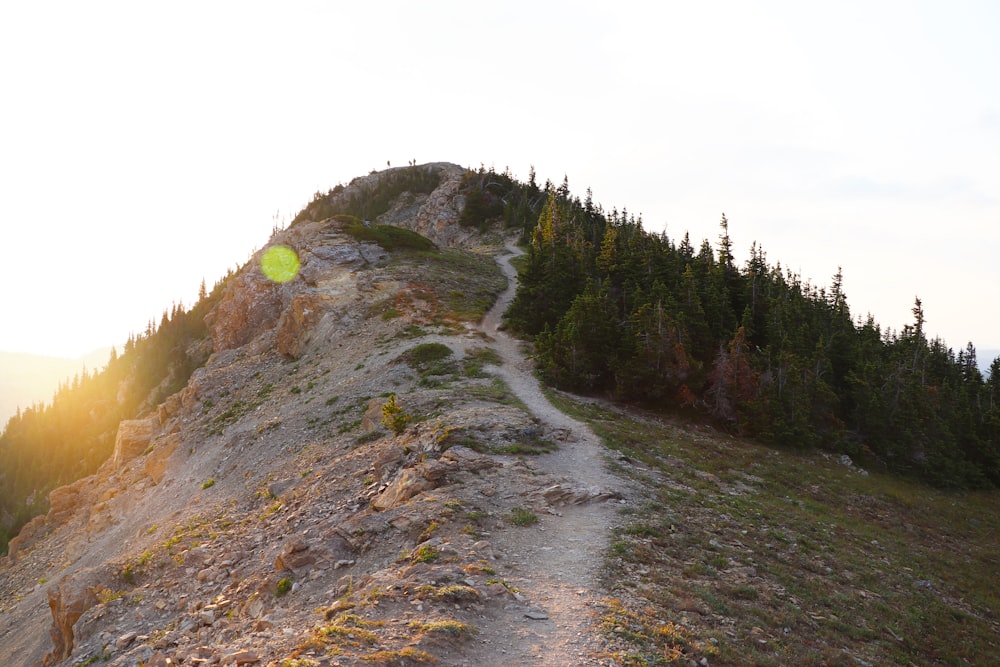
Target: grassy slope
755, 556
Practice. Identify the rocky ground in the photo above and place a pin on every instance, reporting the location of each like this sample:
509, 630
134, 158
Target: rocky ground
265, 515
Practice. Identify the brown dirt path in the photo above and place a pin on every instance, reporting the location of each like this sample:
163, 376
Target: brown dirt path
557, 561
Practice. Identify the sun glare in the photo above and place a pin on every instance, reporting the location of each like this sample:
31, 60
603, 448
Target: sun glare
280, 264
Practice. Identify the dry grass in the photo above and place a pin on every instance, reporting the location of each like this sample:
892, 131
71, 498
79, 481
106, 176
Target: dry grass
772, 557
463, 285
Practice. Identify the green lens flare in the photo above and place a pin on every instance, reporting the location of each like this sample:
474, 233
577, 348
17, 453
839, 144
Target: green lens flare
280, 263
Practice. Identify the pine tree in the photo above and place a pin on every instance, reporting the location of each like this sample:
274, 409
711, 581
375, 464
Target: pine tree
393, 417
582, 352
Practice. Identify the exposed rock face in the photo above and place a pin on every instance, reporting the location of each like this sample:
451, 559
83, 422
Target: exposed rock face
68, 601
27, 536
435, 215
134, 435
297, 322
411, 481
170, 407
63, 501
466, 459
155, 465
251, 306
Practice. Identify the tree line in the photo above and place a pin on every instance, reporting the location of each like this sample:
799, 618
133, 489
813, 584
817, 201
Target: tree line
48, 445
641, 317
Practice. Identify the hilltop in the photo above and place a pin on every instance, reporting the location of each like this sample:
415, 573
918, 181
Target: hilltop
359, 466
266, 509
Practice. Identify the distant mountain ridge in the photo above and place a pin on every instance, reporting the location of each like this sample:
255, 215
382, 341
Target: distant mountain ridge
28, 379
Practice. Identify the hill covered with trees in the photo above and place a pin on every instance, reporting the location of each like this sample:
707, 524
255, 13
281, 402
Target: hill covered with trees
617, 310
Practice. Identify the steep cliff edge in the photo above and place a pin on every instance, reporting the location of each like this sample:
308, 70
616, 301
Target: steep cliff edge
265, 515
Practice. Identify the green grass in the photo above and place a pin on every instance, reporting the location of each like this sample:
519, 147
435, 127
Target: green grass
388, 237
795, 559
520, 516
496, 391
456, 593
532, 447
425, 554
426, 355
467, 284
476, 359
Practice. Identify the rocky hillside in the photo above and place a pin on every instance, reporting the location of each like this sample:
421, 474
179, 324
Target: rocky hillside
364, 472
367, 472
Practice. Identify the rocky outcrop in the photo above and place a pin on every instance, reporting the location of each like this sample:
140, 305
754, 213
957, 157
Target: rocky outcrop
411, 481
435, 215
155, 465
170, 407
68, 600
134, 435
64, 500
466, 459
324, 264
249, 307
27, 536
297, 322
300, 557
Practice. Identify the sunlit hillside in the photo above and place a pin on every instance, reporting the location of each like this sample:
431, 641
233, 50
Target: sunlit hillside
27, 379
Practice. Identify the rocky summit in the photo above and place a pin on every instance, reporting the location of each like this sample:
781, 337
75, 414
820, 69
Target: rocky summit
365, 471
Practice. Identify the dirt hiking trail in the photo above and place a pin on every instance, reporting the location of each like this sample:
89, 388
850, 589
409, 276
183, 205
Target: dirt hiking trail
558, 559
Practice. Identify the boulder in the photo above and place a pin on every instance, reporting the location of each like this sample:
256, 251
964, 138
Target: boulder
300, 557
295, 556
385, 463
240, 658
134, 435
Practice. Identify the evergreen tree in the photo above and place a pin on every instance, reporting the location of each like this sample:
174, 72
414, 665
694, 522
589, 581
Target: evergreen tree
554, 274
582, 351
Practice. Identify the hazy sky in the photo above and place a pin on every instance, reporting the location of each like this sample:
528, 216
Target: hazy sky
145, 146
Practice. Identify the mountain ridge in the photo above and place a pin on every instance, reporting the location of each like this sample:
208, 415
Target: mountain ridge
114, 545
364, 470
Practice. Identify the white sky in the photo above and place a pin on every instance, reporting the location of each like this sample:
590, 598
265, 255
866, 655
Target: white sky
145, 146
